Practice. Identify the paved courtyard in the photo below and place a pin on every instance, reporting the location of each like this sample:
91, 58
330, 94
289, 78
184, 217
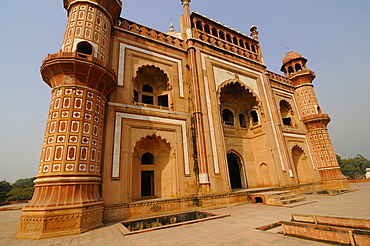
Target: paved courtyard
237, 229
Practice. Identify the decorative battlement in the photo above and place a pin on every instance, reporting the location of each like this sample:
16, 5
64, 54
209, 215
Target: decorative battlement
149, 33
223, 37
279, 78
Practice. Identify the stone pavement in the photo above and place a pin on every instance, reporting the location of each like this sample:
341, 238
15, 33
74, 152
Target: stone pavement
238, 229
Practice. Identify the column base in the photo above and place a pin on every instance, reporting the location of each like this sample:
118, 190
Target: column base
332, 178
46, 223
331, 173
338, 184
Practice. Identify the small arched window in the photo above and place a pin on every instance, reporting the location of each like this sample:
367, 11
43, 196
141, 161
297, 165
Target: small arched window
228, 117
147, 88
254, 116
241, 43
206, 29
84, 48
147, 96
298, 67
199, 25
214, 32
242, 121
290, 70
147, 159
222, 35
286, 113
318, 109
228, 38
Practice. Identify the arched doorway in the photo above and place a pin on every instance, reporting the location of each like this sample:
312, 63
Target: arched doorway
265, 173
301, 165
234, 165
152, 169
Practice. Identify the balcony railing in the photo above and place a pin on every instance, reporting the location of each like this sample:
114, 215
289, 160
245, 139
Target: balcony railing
80, 56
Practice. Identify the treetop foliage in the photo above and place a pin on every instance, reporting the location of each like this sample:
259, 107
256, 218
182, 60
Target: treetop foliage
22, 189
354, 168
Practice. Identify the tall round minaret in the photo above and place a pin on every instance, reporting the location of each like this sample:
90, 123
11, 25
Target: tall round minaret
67, 198
294, 68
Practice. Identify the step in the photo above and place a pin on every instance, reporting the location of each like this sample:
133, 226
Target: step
286, 197
296, 204
341, 235
274, 192
293, 200
333, 221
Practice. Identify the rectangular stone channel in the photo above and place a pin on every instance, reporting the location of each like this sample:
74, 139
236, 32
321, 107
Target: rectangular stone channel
165, 221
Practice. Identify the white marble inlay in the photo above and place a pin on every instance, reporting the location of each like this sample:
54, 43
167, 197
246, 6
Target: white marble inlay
118, 135
121, 64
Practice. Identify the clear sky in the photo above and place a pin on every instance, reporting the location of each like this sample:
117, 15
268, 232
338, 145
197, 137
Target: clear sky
333, 35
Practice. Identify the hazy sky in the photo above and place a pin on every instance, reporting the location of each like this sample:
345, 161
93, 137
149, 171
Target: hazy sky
333, 35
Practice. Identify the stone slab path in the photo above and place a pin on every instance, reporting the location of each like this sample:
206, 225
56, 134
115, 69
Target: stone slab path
237, 229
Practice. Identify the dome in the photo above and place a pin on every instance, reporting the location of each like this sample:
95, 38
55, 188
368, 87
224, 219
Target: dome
291, 56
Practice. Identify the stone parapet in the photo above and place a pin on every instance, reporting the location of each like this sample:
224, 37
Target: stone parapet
222, 37
147, 32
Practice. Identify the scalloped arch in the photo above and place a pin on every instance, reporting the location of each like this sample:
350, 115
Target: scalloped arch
234, 81
289, 105
299, 147
160, 138
157, 70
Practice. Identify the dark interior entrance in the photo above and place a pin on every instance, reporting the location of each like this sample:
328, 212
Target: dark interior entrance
234, 171
147, 183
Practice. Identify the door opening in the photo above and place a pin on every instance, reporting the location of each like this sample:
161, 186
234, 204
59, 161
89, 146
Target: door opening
234, 171
147, 183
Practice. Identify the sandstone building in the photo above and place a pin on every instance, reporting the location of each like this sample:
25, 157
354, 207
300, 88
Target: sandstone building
144, 122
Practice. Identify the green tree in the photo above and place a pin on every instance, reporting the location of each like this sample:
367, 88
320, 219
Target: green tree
354, 167
23, 183
5, 187
17, 194
21, 189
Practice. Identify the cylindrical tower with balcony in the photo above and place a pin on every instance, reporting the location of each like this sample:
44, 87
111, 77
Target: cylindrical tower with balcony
294, 68
67, 198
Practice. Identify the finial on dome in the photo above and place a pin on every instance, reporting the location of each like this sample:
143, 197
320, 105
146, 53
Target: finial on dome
172, 28
185, 2
254, 32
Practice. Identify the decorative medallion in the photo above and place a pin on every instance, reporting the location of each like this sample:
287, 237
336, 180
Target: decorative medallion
69, 167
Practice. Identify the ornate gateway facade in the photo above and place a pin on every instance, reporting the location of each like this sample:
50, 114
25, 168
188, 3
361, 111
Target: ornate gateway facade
144, 122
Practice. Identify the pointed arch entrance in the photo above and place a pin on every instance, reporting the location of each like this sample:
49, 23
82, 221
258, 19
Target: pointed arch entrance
301, 165
236, 171
152, 169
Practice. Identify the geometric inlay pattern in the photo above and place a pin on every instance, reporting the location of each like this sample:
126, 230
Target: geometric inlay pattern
86, 22
74, 131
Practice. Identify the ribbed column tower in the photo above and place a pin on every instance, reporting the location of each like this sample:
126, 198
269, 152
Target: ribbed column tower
294, 67
67, 198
